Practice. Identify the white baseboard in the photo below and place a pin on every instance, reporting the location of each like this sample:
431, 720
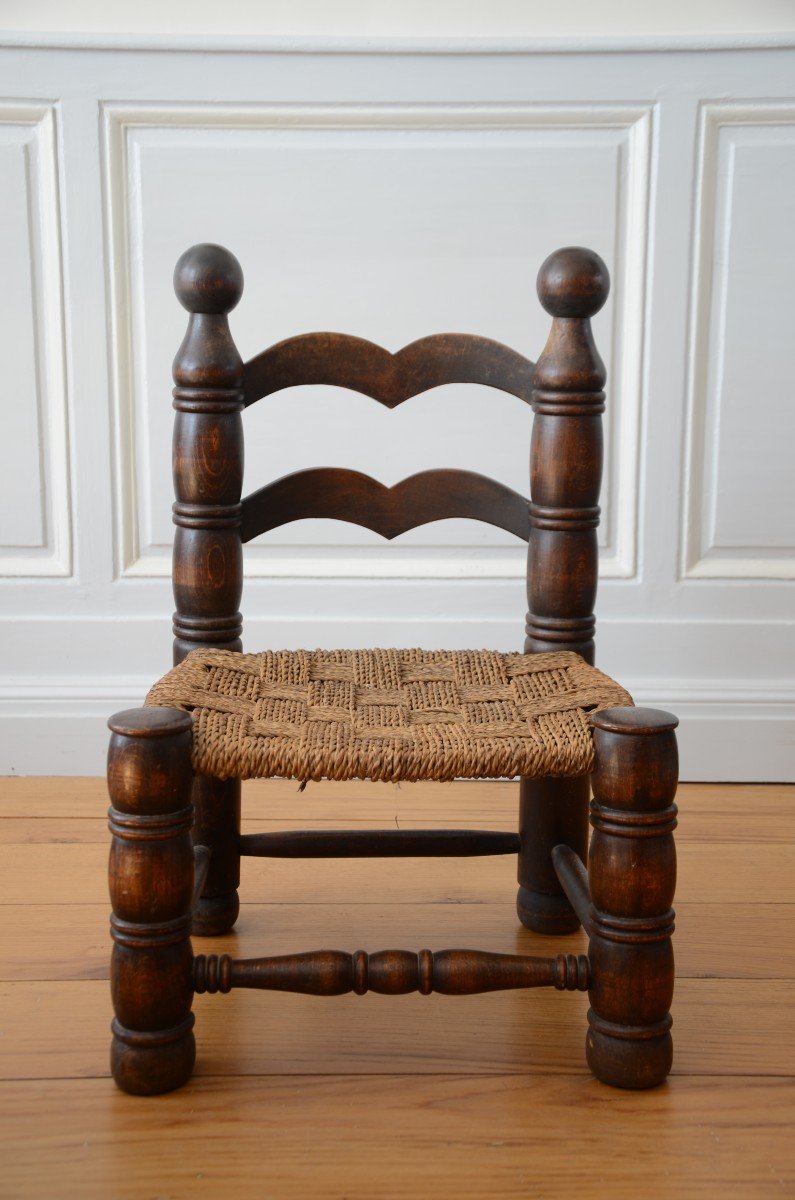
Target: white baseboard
738, 731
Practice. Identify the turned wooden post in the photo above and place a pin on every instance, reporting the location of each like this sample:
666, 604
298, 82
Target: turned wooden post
151, 885
632, 877
208, 552
563, 556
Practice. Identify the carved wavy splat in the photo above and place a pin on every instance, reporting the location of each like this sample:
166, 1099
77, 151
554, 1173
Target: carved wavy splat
362, 366
351, 496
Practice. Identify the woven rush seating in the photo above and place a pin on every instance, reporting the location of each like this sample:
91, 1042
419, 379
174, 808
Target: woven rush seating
389, 715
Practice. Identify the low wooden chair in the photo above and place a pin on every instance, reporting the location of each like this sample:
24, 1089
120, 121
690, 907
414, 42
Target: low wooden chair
546, 715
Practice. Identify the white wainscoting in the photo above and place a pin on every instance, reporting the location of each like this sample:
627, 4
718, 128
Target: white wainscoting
388, 192
740, 465
438, 208
35, 502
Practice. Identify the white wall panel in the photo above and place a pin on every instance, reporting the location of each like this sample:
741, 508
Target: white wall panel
740, 517
389, 223
34, 472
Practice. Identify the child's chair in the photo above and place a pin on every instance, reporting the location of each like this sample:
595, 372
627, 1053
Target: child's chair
547, 715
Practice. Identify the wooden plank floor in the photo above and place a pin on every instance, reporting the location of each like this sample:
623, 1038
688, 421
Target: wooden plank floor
414, 1096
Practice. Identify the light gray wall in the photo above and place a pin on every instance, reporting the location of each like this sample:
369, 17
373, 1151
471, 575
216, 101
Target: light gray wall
391, 192
402, 18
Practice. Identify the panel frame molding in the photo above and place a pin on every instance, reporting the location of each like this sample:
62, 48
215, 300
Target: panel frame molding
119, 122
699, 557
53, 559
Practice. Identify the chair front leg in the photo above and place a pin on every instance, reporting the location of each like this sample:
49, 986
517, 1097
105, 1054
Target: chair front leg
632, 877
151, 890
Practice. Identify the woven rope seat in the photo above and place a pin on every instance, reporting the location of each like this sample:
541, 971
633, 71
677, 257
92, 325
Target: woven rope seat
390, 715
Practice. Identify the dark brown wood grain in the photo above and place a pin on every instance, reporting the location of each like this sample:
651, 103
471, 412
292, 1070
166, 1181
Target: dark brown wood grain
207, 455
566, 457
351, 496
573, 876
151, 888
391, 972
361, 366
201, 866
157, 887
563, 555
208, 553
551, 812
379, 843
217, 805
632, 878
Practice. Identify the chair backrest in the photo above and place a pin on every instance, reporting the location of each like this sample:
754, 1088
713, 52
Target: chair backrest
213, 386
349, 362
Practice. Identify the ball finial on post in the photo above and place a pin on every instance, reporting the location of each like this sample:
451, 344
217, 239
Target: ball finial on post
573, 282
208, 279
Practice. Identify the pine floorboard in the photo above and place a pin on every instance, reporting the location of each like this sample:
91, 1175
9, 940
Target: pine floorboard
413, 1096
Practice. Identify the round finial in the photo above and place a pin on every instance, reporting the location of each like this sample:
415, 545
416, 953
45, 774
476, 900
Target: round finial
573, 282
208, 279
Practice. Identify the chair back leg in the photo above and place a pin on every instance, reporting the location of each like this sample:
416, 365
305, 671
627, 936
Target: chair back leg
563, 555
208, 551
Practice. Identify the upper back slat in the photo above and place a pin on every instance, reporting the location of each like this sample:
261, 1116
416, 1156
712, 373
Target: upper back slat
350, 362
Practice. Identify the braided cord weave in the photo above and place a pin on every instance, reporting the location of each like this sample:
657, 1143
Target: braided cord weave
388, 715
